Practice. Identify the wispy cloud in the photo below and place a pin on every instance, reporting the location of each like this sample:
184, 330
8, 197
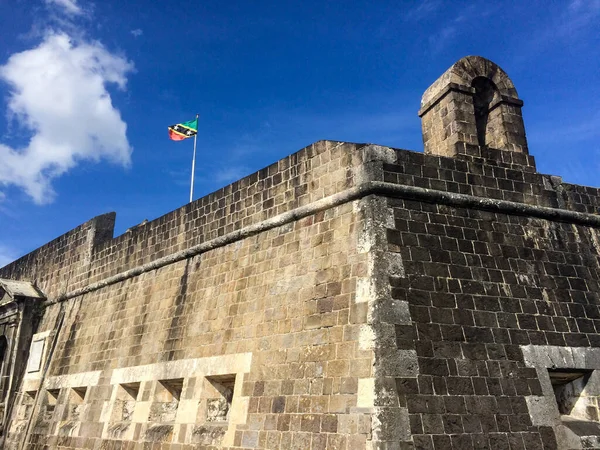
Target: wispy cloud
209, 175
54, 88
567, 25
577, 139
580, 167
581, 14
451, 29
180, 177
230, 174
439, 40
7, 254
576, 171
69, 7
552, 133
137, 32
384, 127
422, 10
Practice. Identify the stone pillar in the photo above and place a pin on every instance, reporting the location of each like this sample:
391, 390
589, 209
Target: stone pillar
505, 126
447, 119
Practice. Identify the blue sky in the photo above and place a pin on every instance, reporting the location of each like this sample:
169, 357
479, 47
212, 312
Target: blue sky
88, 89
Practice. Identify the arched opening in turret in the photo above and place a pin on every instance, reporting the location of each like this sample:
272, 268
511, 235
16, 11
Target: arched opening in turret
485, 91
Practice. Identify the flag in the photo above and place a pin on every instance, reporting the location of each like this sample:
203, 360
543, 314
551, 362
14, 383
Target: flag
183, 130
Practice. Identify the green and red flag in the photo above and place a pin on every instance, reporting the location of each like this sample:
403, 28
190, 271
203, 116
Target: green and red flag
183, 130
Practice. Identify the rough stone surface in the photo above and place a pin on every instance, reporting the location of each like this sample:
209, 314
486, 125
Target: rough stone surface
349, 296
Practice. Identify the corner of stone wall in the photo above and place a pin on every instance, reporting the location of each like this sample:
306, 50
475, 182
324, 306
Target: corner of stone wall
378, 395
373, 158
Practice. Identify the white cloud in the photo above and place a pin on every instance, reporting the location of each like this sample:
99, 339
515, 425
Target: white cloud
58, 92
69, 6
137, 32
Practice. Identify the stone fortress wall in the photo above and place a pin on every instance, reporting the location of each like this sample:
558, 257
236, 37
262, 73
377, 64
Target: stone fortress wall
249, 290
349, 296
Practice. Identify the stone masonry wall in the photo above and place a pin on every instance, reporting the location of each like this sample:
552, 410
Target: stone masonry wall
482, 287
300, 179
275, 310
254, 342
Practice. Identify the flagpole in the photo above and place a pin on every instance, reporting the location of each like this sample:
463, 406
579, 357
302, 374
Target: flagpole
194, 162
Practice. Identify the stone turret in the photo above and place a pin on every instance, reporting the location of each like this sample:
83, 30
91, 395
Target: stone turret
473, 103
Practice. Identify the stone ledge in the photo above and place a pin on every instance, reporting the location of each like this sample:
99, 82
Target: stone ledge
355, 193
449, 88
